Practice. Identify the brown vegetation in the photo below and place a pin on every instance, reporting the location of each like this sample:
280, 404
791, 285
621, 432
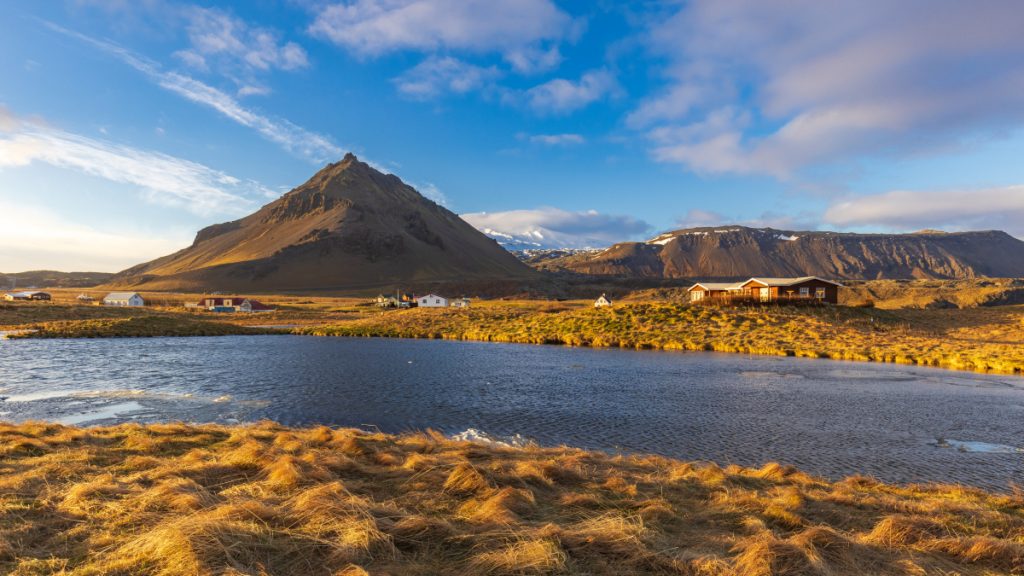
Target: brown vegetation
989, 339
170, 499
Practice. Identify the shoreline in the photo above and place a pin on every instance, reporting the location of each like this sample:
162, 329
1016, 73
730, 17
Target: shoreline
178, 498
984, 341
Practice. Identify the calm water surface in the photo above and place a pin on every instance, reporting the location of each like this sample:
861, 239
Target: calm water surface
899, 423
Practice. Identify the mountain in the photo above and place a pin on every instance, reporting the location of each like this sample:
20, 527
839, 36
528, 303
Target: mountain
350, 227
729, 252
52, 279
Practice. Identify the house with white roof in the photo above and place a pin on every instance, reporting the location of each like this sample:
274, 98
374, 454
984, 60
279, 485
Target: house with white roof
431, 301
127, 299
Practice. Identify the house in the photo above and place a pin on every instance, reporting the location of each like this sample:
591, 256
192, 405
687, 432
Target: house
386, 301
460, 303
131, 299
12, 296
784, 290
232, 304
602, 301
710, 290
432, 301
807, 288
250, 305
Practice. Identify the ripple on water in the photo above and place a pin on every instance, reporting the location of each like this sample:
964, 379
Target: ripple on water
830, 418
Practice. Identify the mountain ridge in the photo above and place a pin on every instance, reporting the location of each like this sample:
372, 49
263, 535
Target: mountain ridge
734, 252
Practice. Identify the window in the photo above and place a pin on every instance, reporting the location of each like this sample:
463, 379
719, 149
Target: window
819, 293
696, 295
805, 292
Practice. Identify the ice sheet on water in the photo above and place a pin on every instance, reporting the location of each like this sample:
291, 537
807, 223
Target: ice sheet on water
481, 437
972, 446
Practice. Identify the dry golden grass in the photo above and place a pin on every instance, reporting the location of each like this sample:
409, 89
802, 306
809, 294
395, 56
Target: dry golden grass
174, 499
987, 340
979, 339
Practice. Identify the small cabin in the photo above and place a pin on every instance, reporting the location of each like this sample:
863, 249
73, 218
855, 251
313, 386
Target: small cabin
432, 301
124, 299
602, 301
460, 303
707, 291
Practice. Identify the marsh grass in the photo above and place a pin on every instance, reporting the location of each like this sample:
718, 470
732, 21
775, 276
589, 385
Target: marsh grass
979, 340
170, 499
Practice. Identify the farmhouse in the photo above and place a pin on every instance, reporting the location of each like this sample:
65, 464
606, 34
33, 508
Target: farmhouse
11, 296
432, 301
602, 301
130, 299
233, 304
779, 290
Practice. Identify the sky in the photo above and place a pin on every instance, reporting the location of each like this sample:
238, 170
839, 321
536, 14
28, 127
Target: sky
128, 125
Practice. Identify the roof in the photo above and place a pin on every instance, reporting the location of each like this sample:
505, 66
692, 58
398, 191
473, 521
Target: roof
716, 286
257, 305
121, 295
789, 281
431, 295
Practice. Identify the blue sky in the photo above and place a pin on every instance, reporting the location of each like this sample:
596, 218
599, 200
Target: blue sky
127, 125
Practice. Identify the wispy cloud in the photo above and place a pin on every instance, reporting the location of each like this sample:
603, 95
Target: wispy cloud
295, 139
437, 75
556, 228
986, 208
522, 30
217, 35
561, 95
556, 139
161, 178
815, 83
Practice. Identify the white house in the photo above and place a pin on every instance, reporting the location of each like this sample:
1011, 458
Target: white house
432, 301
124, 299
460, 303
602, 302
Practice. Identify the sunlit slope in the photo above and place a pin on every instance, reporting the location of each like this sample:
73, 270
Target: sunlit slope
350, 226
740, 252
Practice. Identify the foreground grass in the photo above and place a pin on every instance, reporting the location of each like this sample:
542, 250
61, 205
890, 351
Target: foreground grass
981, 340
174, 499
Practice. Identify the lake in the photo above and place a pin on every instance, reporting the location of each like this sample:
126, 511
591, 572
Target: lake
899, 423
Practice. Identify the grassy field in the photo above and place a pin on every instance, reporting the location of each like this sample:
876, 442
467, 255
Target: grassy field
173, 499
988, 339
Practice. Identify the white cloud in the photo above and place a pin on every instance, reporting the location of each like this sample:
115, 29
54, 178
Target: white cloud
830, 81
32, 238
557, 139
557, 228
561, 95
513, 27
988, 208
438, 75
161, 178
215, 34
293, 138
